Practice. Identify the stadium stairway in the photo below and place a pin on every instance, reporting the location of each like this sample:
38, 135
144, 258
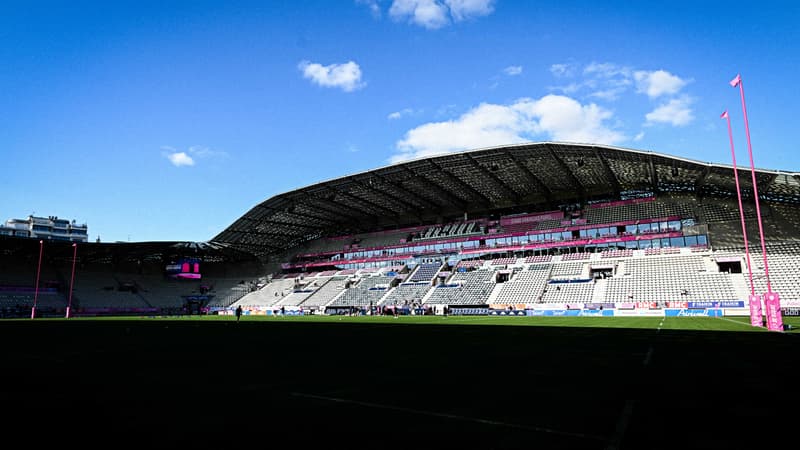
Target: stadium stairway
710, 264
495, 292
620, 268
739, 283
428, 294
599, 293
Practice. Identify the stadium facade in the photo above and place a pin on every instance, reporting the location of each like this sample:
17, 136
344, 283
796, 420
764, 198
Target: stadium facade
538, 229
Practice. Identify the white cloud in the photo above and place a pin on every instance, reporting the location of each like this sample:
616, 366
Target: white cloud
427, 13
639, 136
468, 9
398, 114
346, 76
373, 6
179, 159
567, 89
204, 152
513, 70
563, 70
607, 70
606, 81
556, 117
565, 119
675, 112
609, 82
658, 83
609, 94
188, 157
433, 14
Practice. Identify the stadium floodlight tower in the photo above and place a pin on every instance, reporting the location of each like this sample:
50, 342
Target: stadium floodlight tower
772, 302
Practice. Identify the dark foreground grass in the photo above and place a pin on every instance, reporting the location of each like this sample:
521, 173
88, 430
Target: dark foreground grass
412, 382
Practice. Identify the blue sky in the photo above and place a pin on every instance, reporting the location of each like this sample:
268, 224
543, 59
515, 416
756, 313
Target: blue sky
158, 121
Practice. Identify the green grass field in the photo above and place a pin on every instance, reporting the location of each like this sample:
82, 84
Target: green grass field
737, 323
412, 382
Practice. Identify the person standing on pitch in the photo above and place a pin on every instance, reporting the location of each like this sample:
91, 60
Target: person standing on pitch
238, 312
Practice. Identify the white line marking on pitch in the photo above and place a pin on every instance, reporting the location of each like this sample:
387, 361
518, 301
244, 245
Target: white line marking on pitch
735, 321
452, 416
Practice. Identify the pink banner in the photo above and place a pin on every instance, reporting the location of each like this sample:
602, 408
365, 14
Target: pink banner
755, 310
772, 303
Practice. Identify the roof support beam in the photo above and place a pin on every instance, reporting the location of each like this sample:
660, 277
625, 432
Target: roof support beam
700, 181
397, 197
653, 174
609, 173
486, 201
266, 233
766, 183
331, 206
449, 197
408, 208
371, 204
533, 179
287, 224
292, 209
509, 193
568, 172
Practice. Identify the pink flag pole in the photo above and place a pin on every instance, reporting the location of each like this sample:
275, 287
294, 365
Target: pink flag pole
741, 210
72, 278
771, 299
738, 82
754, 300
36, 288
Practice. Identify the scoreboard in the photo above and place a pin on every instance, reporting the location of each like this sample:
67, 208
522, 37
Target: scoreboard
184, 268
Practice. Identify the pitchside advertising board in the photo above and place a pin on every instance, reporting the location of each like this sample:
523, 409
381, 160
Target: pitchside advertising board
692, 313
790, 311
709, 308
639, 313
715, 304
571, 312
507, 312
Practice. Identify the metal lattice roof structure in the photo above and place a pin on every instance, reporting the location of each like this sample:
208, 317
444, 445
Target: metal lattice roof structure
107, 252
499, 180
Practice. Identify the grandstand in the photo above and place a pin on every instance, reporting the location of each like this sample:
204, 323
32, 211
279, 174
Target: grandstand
539, 226
120, 278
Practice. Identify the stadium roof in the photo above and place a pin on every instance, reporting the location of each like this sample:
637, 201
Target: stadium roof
107, 252
498, 180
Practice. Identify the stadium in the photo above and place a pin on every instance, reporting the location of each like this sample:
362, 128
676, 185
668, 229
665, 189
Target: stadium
575, 226
641, 244
544, 228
